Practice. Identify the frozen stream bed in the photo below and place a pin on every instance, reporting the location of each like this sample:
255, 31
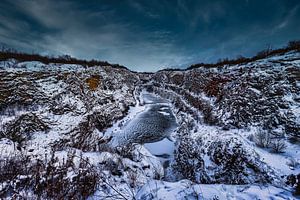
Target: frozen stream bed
151, 127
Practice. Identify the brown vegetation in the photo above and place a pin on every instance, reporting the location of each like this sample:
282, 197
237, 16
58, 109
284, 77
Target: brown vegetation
93, 82
215, 86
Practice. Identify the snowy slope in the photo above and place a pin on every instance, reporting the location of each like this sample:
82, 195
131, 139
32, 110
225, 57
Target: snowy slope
237, 134
239, 124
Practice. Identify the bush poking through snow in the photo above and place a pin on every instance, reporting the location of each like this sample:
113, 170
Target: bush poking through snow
47, 179
225, 161
294, 180
235, 163
22, 127
189, 160
93, 82
262, 138
278, 145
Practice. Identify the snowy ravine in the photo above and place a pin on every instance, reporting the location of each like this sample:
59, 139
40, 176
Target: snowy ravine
158, 143
238, 124
102, 132
151, 126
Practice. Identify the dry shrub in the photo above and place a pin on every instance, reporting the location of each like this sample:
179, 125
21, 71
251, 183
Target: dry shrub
262, 138
278, 145
215, 86
47, 180
93, 82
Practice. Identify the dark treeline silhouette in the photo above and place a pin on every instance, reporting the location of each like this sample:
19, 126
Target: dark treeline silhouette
292, 45
6, 54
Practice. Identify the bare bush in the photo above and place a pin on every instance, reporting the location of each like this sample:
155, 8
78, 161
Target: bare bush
278, 145
47, 179
189, 161
262, 138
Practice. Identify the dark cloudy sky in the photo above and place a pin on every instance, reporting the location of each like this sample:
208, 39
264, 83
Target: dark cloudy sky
151, 34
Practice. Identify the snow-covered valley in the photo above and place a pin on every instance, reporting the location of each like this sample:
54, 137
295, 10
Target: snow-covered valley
102, 132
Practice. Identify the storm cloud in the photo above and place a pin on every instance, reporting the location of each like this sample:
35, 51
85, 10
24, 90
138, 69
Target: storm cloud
149, 35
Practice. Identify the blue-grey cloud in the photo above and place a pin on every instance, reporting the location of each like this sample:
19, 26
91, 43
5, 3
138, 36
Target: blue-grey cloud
148, 35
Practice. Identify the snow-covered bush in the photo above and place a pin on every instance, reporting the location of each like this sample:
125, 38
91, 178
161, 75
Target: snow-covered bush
262, 138
294, 181
235, 163
219, 161
20, 129
47, 179
189, 161
278, 145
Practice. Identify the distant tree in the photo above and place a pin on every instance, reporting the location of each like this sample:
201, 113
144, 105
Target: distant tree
6, 54
294, 44
268, 51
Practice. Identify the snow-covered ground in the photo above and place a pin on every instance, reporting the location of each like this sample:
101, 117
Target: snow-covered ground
162, 147
187, 190
193, 127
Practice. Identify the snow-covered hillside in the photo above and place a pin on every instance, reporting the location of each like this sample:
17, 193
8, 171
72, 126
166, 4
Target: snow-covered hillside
238, 124
102, 132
